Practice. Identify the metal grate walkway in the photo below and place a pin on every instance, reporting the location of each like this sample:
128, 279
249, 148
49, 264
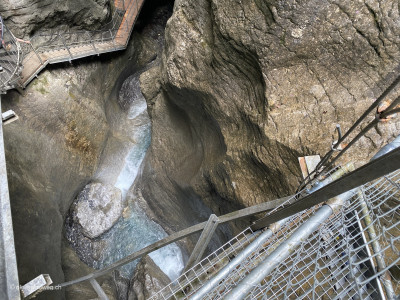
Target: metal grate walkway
354, 254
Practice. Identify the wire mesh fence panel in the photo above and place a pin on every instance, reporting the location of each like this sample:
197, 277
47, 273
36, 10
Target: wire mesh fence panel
354, 254
10, 59
190, 281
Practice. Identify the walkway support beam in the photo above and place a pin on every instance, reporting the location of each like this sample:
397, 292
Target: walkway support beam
259, 241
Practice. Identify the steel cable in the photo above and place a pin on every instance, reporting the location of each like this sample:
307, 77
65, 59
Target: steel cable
373, 106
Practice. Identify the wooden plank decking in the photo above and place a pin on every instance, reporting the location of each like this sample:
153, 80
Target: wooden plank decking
32, 65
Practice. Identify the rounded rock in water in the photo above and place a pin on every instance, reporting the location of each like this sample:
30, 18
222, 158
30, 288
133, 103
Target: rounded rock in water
99, 207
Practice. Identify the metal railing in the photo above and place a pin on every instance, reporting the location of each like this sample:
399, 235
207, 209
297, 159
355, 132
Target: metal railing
191, 281
10, 59
55, 47
239, 241
337, 260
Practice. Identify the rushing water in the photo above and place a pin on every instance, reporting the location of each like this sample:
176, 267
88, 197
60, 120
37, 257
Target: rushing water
134, 230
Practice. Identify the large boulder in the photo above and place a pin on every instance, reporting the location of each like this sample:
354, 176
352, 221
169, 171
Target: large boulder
98, 208
147, 280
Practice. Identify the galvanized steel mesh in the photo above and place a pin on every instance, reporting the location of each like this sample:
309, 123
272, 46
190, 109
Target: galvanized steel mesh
355, 254
191, 280
10, 59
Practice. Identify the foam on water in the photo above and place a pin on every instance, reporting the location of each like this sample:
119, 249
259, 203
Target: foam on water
134, 230
134, 159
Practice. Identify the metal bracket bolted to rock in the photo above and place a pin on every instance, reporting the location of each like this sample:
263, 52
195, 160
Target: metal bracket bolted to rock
98, 208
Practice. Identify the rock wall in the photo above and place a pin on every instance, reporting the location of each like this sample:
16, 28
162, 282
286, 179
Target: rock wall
55, 147
147, 280
51, 151
245, 87
25, 17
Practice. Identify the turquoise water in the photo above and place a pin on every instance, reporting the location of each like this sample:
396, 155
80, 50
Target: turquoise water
134, 230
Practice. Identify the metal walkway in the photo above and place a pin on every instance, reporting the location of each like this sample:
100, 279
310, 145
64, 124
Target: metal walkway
347, 248
30, 57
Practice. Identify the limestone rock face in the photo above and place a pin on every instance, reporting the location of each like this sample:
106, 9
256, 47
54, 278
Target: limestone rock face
246, 87
98, 208
147, 280
65, 125
24, 17
53, 151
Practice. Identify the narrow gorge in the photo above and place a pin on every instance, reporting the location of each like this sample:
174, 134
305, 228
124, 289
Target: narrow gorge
205, 112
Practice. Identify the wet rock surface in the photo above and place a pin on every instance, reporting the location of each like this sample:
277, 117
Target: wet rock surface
98, 207
123, 153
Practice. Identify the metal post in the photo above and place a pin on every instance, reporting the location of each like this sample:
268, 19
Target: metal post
92, 43
100, 292
386, 278
203, 242
287, 247
8, 263
34, 50
259, 241
65, 45
113, 39
123, 4
126, 23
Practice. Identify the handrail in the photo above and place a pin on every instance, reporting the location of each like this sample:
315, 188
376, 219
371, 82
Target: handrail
233, 216
11, 61
45, 47
372, 170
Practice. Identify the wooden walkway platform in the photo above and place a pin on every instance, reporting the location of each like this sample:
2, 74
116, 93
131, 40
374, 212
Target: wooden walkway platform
34, 62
